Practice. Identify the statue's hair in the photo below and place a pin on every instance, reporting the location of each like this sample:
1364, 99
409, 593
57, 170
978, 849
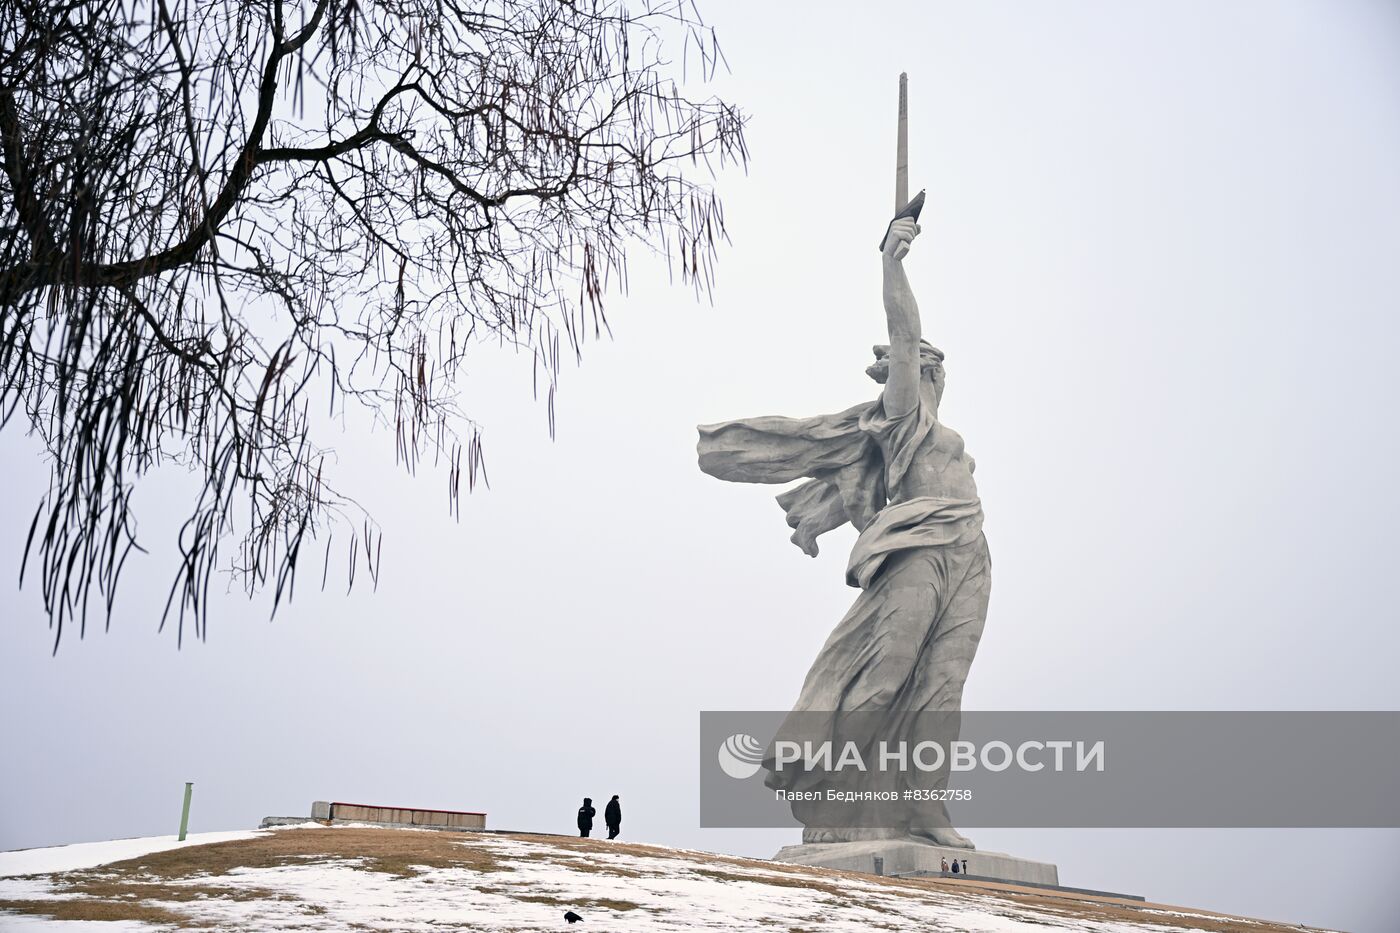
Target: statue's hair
930, 361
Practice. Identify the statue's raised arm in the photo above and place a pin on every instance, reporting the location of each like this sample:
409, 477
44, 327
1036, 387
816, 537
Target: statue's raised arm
902, 315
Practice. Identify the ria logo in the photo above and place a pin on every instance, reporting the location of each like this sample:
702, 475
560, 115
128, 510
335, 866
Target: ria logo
740, 756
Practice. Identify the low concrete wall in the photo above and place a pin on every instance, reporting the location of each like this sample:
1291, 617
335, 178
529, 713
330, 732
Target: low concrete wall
1028, 884
403, 816
906, 858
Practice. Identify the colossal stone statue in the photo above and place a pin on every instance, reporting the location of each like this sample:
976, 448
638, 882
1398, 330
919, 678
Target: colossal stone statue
900, 656
904, 479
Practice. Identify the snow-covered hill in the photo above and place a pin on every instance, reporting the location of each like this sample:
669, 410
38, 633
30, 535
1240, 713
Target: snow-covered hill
352, 878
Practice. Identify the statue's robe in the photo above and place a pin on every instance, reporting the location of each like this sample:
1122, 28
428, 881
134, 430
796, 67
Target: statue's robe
905, 646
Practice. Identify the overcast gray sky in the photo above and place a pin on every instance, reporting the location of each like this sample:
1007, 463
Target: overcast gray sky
1160, 254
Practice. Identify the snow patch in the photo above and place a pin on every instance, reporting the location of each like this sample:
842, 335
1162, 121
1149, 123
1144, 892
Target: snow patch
92, 854
531, 883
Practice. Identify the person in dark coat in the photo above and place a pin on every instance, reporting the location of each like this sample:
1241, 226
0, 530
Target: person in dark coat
585, 817
612, 815
956, 870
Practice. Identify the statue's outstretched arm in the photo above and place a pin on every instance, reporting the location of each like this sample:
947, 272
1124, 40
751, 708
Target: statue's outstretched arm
902, 313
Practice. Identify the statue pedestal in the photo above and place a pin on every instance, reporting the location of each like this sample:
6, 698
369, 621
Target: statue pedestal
906, 857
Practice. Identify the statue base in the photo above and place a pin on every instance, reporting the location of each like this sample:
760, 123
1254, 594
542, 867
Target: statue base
906, 857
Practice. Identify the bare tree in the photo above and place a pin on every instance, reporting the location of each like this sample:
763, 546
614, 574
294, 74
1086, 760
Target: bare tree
224, 218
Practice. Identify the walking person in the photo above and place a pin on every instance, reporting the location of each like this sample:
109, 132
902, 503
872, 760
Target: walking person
585, 817
612, 815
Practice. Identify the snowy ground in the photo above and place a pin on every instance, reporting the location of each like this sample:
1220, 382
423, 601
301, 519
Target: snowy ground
325, 879
92, 854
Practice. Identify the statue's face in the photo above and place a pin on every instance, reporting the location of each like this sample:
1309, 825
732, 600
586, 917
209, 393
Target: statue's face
930, 364
930, 371
935, 377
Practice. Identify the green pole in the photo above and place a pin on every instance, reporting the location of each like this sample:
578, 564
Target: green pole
185, 812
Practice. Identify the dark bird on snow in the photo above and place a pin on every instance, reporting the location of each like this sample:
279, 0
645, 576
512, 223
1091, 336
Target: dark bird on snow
572, 917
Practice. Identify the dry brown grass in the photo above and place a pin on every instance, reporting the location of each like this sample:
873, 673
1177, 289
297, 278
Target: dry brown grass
94, 910
1067, 904
1057, 903
391, 851
163, 881
1061, 904
574, 903
822, 885
827, 881
104, 893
